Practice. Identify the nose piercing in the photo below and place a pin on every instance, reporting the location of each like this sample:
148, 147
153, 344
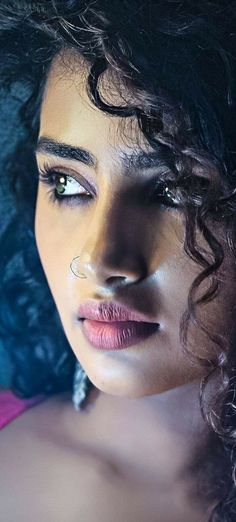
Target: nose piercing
73, 268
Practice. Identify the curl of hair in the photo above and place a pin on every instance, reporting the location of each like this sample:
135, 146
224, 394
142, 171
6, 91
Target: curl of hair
178, 61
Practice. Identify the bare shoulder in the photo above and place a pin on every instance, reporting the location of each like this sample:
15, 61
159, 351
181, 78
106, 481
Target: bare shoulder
35, 420
51, 473
42, 473
47, 473
40, 433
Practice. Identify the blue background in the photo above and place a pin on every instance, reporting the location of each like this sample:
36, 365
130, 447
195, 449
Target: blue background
10, 130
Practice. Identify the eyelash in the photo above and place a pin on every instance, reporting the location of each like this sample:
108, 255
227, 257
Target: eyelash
48, 176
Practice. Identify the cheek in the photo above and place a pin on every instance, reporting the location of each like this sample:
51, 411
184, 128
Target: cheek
155, 368
57, 246
50, 238
43, 233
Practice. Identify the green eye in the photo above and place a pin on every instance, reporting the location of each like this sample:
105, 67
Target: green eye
64, 183
65, 189
60, 184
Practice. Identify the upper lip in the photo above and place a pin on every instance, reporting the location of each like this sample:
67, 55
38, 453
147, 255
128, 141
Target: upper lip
110, 311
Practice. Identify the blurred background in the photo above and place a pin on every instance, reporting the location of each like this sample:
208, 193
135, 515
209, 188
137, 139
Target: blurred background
10, 130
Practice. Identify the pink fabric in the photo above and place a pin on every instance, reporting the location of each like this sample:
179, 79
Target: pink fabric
11, 406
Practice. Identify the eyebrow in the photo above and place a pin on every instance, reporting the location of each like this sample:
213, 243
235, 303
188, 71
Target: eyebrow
57, 148
138, 158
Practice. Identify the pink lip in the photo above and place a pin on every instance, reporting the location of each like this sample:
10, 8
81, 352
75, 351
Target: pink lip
116, 335
110, 311
111, 326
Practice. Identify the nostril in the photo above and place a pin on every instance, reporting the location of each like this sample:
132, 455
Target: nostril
116, 280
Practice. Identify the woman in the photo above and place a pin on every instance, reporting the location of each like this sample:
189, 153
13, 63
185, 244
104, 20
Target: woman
118, 265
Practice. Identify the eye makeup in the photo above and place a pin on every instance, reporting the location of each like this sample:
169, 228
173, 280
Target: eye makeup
161, 192
60, 181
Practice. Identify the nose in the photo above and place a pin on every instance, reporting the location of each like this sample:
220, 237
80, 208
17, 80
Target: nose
110, 258
110, 270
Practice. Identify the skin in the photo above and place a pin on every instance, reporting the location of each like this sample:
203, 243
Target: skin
132, 253
148, 271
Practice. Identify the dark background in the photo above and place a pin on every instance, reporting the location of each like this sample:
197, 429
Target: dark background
10, 131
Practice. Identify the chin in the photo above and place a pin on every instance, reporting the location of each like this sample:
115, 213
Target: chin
130, 387
136, 386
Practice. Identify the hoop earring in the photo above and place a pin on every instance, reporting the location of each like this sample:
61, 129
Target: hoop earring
77, 274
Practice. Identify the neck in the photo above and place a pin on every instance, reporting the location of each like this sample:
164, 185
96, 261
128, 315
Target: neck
160, 439
170, 423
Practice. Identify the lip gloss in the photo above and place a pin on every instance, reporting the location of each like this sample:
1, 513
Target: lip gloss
116, 335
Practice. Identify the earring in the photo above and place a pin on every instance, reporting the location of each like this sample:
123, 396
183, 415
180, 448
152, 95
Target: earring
73, 269
81, 387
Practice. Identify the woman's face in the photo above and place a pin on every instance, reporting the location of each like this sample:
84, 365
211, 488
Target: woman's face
130, 246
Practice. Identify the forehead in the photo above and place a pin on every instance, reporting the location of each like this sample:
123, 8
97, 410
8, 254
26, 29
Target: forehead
68, 115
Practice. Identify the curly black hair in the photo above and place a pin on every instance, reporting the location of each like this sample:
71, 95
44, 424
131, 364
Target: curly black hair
178, 59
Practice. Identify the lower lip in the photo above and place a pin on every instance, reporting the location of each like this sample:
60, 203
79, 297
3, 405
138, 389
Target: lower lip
116, 335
